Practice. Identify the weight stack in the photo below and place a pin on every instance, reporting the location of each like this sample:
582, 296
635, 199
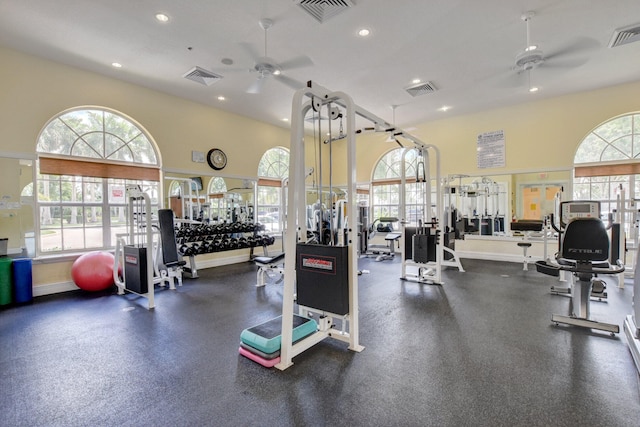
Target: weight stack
135, 269
322, 277
5, 280
22, 281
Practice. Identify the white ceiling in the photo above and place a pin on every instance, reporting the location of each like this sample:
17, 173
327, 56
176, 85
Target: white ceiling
467, 48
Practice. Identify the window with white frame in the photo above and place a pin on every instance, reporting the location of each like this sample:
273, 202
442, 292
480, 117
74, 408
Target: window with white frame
86, 159
216, 189
606, 162
272, 169
386, 186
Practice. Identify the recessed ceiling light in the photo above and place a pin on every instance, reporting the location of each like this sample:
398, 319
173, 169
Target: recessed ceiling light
363, 32
415, 81
285, 119
221, 98
116, 65
444, 108
533, 89
227, 61
161, 17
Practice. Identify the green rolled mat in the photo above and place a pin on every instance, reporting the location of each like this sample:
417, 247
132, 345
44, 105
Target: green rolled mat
5, 280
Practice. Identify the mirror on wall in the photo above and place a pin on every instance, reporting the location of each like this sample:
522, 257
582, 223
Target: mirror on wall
210, 199
17, 206
486, 205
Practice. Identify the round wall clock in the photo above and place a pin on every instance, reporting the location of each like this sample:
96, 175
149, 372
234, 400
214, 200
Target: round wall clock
216, 159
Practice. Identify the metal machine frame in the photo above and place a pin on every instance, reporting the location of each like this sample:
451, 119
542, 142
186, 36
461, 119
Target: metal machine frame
631, 328
430, 272
317, 98
140, 233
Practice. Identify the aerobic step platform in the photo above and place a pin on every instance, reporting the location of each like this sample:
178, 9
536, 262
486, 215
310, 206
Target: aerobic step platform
267, 363
266, 336
257, 352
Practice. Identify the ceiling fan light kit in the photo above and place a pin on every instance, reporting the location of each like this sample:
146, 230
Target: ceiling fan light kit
531, 56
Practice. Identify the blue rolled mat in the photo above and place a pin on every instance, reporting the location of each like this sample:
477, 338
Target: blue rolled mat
22, 281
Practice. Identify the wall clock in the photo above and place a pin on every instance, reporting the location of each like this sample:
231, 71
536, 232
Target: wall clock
216, 159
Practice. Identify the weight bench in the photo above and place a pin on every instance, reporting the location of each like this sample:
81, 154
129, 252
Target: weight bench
389, 250
171, 268
267, 266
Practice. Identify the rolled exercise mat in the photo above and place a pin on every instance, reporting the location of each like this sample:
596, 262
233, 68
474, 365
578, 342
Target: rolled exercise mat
22, 281
5, 280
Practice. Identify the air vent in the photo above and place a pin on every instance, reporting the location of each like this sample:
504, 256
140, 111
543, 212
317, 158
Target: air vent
625, 35
421, 89
202, 76
322, 10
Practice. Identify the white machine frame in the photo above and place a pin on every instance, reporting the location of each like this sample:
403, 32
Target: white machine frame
428, 272
304, 99
141, 232
135, 236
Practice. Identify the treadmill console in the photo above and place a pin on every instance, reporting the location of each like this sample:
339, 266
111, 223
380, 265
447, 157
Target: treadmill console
578, 209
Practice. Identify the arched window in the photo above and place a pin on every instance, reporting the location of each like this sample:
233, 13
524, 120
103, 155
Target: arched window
386, 185
86, 159
216, 185
606, 161
272, 169
216, 190
175, 189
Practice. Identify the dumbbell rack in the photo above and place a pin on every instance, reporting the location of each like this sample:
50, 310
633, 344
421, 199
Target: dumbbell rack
201, 238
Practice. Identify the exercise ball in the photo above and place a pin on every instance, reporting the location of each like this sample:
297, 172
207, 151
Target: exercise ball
93, 271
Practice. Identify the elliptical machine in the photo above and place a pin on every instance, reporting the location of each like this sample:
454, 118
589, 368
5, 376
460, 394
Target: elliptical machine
583, 251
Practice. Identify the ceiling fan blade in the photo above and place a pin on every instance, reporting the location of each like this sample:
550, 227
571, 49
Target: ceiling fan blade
256, 86
579, 45
288, 81
564, 63
513, 79
298, 62
251, 51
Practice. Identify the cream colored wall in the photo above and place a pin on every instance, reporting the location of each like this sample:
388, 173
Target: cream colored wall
541, 135
34, 90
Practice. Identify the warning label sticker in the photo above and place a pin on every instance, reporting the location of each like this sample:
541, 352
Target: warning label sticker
317, 263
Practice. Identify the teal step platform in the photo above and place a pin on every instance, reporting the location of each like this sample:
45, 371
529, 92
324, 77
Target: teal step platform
265, 337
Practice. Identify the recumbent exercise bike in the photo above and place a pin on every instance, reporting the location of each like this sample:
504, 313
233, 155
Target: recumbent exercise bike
584, 252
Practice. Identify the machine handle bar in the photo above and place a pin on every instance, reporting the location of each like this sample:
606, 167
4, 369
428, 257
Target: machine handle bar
619, 268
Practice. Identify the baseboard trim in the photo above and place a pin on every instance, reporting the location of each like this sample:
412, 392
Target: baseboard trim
54, 288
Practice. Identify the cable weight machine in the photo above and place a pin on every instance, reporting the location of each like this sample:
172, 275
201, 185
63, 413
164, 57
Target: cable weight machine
311, 268
134, 250
430, 245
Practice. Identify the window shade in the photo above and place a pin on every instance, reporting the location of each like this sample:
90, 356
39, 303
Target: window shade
55, 166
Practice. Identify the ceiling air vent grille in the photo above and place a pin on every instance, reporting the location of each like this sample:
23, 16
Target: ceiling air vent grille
322, 10
421, 89
202, 76
625, 35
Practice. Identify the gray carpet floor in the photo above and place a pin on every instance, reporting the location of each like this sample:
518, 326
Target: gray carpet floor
478, 351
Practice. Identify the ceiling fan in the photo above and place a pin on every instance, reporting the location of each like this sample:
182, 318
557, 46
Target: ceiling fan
267, 67
532, 57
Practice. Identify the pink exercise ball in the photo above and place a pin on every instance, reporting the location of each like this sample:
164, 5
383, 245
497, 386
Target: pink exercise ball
93, 271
